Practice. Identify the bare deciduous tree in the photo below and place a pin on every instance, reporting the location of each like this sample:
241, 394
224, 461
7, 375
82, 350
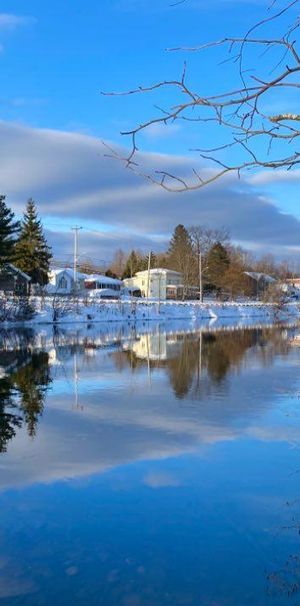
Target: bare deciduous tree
256, 137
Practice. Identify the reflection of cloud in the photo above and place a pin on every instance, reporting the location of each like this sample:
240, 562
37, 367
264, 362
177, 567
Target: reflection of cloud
12, 583
160, 480
146, 423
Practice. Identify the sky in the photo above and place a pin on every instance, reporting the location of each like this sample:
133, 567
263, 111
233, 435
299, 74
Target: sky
56, 58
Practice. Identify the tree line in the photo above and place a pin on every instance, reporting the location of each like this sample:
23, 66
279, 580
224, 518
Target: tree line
23, 243
223, 265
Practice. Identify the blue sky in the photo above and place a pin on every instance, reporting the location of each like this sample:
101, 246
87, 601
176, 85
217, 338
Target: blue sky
56, 58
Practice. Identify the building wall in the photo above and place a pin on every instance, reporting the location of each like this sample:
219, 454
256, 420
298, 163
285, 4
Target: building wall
13, 282
158, 283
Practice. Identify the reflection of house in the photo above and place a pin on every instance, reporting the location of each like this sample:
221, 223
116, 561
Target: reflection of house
159, 284
258, 282
13, 280
295, 340
156, 346
152, 347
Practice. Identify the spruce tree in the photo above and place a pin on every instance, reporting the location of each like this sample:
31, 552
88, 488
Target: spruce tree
8, 230
181, 255
145, 262
133, 264
33, 255
217, 264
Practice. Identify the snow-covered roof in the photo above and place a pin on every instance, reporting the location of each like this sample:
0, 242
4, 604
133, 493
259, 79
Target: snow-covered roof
69, 271
101, 278
16, 269
60, 270
256, 275
159, 270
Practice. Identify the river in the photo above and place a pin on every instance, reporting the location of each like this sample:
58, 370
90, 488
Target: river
150, 466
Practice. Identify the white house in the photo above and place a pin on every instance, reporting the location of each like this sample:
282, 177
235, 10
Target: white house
61, 281
103, 286
158, 284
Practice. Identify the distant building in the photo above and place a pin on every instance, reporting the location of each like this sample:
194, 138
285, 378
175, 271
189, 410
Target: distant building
103, 286
294, 283
258, 282
61, 281
160, 284
13, 280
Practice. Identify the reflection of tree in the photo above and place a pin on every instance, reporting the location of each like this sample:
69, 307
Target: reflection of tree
22, 395
181, 369
9, 420
214, 354
31, 382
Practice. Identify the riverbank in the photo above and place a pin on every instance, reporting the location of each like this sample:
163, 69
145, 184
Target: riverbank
66, 311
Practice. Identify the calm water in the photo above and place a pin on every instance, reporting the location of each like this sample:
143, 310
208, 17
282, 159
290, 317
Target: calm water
150, 469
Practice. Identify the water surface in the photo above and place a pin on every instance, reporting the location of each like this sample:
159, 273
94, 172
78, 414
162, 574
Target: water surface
150, 466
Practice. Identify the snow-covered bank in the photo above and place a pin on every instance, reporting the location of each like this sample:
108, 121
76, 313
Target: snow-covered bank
66, 310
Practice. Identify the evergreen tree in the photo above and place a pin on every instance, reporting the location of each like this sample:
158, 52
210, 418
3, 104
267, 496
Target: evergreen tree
181, 254
33, 255
217, 264
8, 230
145, 261
133, 264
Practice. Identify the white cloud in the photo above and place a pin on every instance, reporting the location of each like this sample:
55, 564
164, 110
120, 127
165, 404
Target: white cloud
159, 130
266, 177
10, 21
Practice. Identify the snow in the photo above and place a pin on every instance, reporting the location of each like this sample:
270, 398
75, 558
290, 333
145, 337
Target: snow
103, 279
65, 310
259, 276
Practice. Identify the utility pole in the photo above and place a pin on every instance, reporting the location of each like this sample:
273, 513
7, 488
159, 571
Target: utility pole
200, 278
148, 275
76, 229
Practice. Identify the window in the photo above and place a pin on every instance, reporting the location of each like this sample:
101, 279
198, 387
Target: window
62, 283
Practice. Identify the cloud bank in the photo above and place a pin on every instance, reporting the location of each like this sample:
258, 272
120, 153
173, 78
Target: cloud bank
72, 180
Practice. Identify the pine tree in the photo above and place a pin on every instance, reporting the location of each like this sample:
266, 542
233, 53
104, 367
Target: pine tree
145, 261
33, 255
133, 264
8, 230
217, 264
181, 254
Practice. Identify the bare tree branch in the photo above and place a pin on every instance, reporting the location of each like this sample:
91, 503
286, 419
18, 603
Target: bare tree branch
241, 113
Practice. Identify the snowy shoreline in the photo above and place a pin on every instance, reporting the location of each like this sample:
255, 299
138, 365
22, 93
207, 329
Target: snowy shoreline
71, 311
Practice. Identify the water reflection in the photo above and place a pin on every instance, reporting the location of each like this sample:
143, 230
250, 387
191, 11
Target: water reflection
149, 466
188, 357
24, 379
195, 362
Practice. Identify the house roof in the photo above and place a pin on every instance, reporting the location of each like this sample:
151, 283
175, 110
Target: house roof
256, 275
19, 271
69, 271
101, 278
159, 270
